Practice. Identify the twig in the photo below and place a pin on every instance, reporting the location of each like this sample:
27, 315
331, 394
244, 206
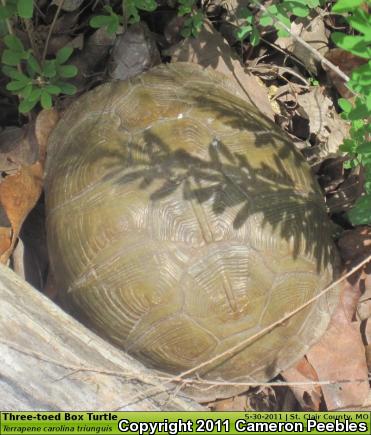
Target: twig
266, 384
52, 25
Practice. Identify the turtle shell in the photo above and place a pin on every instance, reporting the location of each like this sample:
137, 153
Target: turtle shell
181, 221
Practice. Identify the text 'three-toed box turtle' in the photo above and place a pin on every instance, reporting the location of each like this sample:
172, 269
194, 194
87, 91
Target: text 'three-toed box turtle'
182, 221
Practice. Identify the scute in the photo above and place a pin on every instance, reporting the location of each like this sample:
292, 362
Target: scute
181, 222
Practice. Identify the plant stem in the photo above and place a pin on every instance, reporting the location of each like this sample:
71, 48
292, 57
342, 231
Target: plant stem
8, 24
11, 32
29, 29
52, 25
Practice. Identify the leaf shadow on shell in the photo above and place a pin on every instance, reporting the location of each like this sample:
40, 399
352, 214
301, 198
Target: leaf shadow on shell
227, 179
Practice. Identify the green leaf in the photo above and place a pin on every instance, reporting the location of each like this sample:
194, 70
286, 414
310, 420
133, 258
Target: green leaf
348, 146
7, 11
100, 21
283, 17
184, 10
113, 27
313, 3
359, 111
186, 32
296, 7
346, 5
46, 100
13, 73
53, 89
67, 71
15, 86
35, 94
13, 43
26, 91
361, 22
368, 102
300, 11
63, 54
26, 106
266, 20
243, 32
49, 70
34, 64
283, 33
12, 58
345, 105
364, 148
272, 9
355, 44
361, 213
25, 8
146, 5
67, 88
255, 37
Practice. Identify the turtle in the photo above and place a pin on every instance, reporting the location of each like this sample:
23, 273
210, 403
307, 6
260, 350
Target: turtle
181, 222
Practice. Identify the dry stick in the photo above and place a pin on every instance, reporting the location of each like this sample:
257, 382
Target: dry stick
51, 31
265, 384
138, 376
179, 378
315, 52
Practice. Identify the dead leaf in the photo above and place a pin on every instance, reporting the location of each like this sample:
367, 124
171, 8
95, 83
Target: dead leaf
18, 147
340, 354
324, 122
237, 403
312, 31
20, 191
44, 125
317, 105
210, 49
309, 396
340, 357
18, 195
5, 239
355, 245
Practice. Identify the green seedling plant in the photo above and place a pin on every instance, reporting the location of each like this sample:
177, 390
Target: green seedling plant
134, 6
32, 81
112, 21
195, 18
357, 112
22, 8
277, 13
